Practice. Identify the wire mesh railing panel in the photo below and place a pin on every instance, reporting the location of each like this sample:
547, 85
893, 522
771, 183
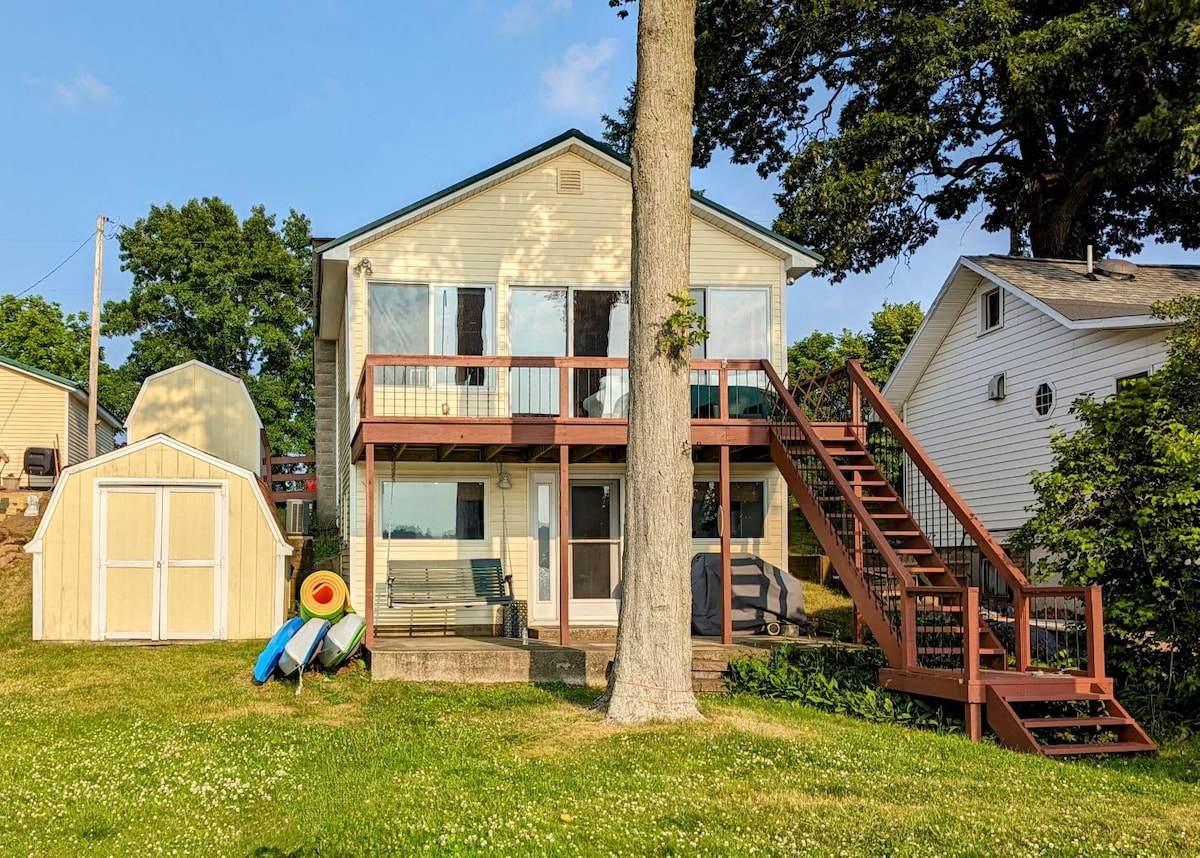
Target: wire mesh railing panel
429, 391
749, 395
826, 398
1057, 629
600, 393
878, 575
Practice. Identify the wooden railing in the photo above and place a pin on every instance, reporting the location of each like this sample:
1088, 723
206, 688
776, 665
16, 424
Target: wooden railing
1058, 628
544, 388
289, 477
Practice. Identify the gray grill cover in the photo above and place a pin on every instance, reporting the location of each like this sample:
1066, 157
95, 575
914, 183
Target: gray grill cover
761, 594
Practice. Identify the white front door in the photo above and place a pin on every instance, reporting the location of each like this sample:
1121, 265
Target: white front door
160, 570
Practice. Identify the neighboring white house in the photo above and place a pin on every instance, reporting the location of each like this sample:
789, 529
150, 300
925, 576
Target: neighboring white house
1008, 344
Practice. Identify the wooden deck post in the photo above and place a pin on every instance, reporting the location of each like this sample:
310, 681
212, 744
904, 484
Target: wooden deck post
974, 718
1093, 619
726, 558
564, 548
1021, 626
369, 560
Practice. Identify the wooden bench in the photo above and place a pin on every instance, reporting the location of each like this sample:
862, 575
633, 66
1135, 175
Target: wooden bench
447, 584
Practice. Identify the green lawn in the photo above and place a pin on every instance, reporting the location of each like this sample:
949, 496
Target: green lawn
124, 750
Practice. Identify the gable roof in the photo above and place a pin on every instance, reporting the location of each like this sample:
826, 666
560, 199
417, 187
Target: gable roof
1059, 288
34, 546
73, 387
799, 259
185, 365
568, 136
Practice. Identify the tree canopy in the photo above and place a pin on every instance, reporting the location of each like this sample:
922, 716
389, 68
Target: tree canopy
235, 294
35, 331
1118, 509
891, 330
1064, 123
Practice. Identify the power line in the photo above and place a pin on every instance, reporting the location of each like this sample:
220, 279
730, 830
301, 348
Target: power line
47, 275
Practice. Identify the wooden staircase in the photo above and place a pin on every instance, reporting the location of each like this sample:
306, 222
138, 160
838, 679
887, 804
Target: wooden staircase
955, 617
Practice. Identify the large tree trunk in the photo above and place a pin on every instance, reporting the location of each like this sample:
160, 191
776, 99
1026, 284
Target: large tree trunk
652, 672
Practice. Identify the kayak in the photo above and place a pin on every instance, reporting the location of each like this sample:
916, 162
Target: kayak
269, 659
300, 650
342, 640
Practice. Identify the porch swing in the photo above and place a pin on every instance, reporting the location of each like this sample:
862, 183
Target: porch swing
443, 584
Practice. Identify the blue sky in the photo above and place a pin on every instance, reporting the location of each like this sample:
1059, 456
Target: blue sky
344, 111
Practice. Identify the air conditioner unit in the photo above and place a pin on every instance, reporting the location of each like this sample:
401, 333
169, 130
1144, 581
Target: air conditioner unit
296, 519
996, 386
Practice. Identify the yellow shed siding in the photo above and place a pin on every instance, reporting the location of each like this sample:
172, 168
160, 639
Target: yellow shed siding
68, 557
33, 413
202, 408
523, 232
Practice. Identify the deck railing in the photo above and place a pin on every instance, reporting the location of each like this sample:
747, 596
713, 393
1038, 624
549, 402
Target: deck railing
1040, 627
290, 477
544, 388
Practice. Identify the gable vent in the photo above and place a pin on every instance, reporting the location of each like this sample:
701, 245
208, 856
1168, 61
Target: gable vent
570, 181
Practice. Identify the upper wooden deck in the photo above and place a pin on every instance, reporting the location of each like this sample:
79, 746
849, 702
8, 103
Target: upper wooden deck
481, 408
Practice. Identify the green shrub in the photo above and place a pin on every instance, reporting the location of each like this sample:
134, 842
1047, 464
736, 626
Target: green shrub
835, 679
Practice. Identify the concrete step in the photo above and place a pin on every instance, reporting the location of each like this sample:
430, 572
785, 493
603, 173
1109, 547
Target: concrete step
579, 634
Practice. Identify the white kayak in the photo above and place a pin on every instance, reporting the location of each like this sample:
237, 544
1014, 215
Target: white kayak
341, 640
303, 646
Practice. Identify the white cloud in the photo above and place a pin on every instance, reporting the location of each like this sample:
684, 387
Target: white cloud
575, 83
83, 90
525, 16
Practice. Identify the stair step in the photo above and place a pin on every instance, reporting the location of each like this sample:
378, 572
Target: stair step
879, 499
901, 534
903, 550
889, 515
855, 466
1036, 695
1063, 723
939, 630
1098, 748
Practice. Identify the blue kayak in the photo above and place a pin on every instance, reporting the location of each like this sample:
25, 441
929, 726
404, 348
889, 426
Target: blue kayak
269, 660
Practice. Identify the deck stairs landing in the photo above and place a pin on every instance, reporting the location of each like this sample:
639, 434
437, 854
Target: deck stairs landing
954, 615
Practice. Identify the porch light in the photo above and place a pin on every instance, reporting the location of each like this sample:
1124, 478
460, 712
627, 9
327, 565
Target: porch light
505, 481
364, 265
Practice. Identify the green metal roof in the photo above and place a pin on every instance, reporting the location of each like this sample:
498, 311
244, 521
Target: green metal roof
59, 380
579, 136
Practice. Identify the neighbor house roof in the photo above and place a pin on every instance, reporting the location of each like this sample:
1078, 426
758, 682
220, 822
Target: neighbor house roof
150, 379
798, 257
1060, 288
74, 387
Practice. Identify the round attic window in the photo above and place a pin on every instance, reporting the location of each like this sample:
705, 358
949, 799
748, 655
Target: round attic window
1043, 399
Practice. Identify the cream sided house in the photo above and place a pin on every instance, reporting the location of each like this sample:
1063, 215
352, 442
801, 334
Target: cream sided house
41, 410
472, 387
1008, 344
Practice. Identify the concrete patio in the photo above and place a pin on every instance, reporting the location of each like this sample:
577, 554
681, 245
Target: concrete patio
489, 660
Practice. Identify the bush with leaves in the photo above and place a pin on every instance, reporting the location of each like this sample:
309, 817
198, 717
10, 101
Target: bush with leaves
835, 679
1121, 508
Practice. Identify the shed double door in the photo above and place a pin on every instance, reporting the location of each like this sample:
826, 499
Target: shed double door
160, 562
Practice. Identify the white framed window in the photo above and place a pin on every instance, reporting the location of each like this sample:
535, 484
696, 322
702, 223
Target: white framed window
738, 319
1044, 399
433, 510
433, 319
1124, 381
747, 509
991, 310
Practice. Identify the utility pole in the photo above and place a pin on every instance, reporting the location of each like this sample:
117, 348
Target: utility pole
94, 361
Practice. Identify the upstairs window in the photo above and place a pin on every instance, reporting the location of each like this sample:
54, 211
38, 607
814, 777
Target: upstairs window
1129, 380
738, 320
991, 310
431, 319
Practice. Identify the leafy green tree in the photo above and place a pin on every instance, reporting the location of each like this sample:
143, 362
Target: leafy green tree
1066, 123
1119, 509
35, 331
891, 330
235, 294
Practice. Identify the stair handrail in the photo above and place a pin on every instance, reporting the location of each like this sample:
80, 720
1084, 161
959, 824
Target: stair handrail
870, 527
954, 502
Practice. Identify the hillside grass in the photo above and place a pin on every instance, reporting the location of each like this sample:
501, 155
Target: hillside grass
119, 750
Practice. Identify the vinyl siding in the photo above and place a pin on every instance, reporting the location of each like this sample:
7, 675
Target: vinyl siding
523, 232
77, 432
203, 408
33, 413
988, 449
67, 544
507, 534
